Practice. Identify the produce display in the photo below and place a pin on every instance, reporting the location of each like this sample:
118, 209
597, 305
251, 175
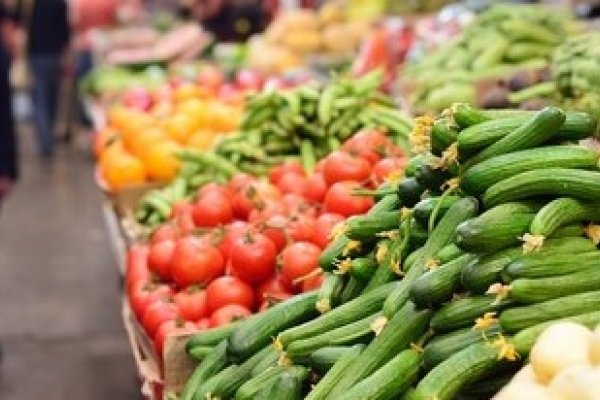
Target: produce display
563, 365
499, 41
241, 246
442, 288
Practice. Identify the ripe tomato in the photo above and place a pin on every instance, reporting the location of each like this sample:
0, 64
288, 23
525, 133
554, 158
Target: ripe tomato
182, 214
269, 209
298, 260
253, 257
274, 287
158, 312
312, 283
168, 328
325, 224
339, 199
386, 166
229, 234
192, 303
341, 166
159, 258
297, 204
204, 323
289, 166
137, 265
229, 290
254, 195
166, 231
301, 228
293, 182
317, 188
274, 229
195, 262
144, 293
239, 182
227, 314
212, 209
371, 144
214, 187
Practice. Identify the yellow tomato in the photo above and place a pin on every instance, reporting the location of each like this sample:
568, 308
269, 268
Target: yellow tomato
145, 140
120, 169
179, 127
202, 140
161, 162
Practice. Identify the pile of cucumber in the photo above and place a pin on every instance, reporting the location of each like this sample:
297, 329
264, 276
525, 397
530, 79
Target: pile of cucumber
500, 41
440, 291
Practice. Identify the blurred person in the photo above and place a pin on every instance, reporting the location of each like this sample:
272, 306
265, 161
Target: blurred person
230, 20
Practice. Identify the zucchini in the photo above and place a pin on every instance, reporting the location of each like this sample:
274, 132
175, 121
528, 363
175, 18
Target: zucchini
448, 253
352, 289
406, 326
462, 369
344, 335
257, 331
438, 285
560, 212
252, 386
352, 311
322, 389
479, 178
366, 227
211, 364
211, 337
330, 292
463, 312
519, 318
423, 209
542, 265
441, 236
443, 347
389, 381
544, 289
538, 129
288, 385
410, 192
545, 182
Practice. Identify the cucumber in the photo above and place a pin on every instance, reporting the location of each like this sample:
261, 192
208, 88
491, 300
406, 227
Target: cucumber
479, 178
441, 236
462, 369
330, 292
322, 389
418, 234
466, 115
463, 312
538, 265
270, 358
288, 386
486, 388
448, 253
543, 289
423, 209
211, 364
200, 352
571, 230
431, 178
363, 268
211, 337
351, 333
352, 311
476, 137
210, 387
257, 331
410, 192
384, 273
352, 289
443, 134
560, 212
438, 285
415, 162
443, 347
412, 258
406, 326
545, 182
519, 318
366, 227
252, 386
538, 129
479, 275
389, 381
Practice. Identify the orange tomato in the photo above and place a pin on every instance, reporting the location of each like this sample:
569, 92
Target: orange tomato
160, 160
145, 139
120, 169
202, 140
102, 139
187, 91
196, 110
179, 127
224, 118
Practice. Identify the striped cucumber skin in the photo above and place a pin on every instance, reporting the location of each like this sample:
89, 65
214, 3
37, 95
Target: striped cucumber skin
519, 318
288, 385
540, 128
543, 289
448, 253
254, 385
560, 212
212, 363
487, 235
463, 312
537, 265
545, 182
480, 177
443, 134
322, 389
211, 337
389, 381
365, 227
423, 209
330, 292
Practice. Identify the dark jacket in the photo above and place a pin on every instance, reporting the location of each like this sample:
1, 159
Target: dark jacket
8, 145
48, 26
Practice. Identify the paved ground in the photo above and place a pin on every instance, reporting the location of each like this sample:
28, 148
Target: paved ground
59, 289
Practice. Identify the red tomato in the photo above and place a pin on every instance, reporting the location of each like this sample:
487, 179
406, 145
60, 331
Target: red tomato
293, 182
227, 314
320, 165
229, 234
298, 260
160, 311
289, 166
339, 199
273, 288
386, 166
214, 187
192, 303
274, 229
159, 258
213, 209
168, 328
301, 228
297, 204
342, 166
142, 294
325, 224
269, 209
317, 188
195, 262
371, 144
182, 214
253, 257
137, 265
312, 283
166, 231
229, 290
239, 182
204, 323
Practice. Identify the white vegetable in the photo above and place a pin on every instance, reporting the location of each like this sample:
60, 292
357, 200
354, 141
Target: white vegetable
561, 345
526, 374
523, 391
579, 382
595, 347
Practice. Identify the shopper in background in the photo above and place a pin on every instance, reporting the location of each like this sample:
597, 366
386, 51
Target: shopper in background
230, 20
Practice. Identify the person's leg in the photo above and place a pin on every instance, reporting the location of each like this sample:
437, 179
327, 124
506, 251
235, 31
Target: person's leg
53, 73
39, 96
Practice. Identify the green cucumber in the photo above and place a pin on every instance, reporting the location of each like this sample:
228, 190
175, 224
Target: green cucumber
257, 331
344, 335
406, 327
389, 381
560, 212
288, 385
423, 209
519, 318
352, 311
211, 337
271, 357
487, 388
330, 292
476, 137
479, 178
211, 364
431, 178
211, 386
545, 182
536, 265
538, 129
438, 285
366, 227
352, 289
363, 268
413, 257
414, 163
444, 346
571, 230
385, 250
410, 192
443, 134
466, 115
252, 386
418, 234
543, 289
463, 312
448, 253
322, 389
200, 352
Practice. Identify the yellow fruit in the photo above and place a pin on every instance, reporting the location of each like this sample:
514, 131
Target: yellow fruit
202, 140
161, 162
120, 169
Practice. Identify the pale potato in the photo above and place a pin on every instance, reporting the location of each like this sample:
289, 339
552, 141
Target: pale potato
581, 382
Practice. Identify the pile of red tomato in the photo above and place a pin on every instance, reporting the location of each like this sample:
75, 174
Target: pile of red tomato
241, 246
